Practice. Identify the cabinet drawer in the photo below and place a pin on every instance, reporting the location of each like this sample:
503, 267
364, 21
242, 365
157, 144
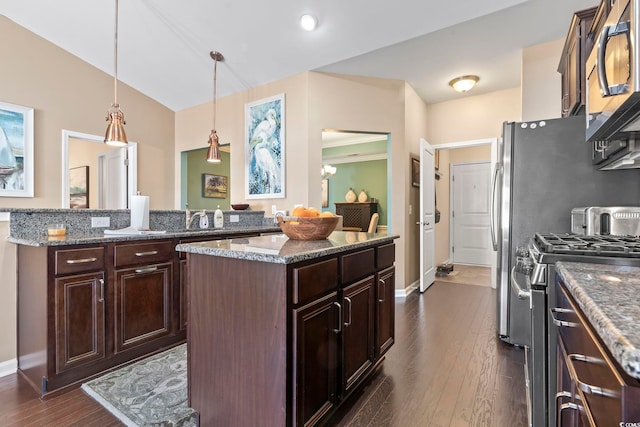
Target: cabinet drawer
73, 261
357, 265
314, 280
385, 255
143, 253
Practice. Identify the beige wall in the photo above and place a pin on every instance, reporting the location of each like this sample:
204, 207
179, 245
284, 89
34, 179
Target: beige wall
67, 93
470, 118
541, 83
193, 126
316, 101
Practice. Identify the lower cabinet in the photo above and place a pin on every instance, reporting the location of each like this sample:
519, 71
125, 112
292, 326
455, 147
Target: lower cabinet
298, 338
142, 304
80, 320
593, 390
316, 327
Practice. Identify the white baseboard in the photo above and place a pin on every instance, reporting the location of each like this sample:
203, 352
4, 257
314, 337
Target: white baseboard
8, 367
403, 293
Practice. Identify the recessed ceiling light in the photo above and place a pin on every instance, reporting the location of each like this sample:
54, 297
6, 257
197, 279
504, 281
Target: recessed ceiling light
308, 22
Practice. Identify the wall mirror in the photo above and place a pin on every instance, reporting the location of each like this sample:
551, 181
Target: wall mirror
96, 175
194, 169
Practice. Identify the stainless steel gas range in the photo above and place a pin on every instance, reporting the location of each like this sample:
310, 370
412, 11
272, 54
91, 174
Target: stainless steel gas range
533, 278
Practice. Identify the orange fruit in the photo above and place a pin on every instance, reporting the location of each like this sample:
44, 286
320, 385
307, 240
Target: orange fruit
298, 211
326, 213
313, 212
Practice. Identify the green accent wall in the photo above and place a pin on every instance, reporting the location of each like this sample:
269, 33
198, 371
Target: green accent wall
193, 167
370, 176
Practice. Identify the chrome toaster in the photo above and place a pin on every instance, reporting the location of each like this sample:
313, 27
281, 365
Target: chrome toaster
606, 220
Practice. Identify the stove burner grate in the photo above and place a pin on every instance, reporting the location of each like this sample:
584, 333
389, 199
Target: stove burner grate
572, 244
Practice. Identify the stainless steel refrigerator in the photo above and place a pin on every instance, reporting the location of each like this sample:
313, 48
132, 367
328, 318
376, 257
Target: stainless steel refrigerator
545, 170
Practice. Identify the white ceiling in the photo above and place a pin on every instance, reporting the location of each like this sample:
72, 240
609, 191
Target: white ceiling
163, 45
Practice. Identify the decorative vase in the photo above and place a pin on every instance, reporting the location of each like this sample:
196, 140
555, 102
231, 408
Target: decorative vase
362, 197
350, 196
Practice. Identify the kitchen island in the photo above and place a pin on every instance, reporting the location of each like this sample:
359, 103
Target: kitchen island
280, 332
598, 319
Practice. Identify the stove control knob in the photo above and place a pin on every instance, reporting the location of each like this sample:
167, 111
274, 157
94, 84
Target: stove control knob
522, 252
526, 266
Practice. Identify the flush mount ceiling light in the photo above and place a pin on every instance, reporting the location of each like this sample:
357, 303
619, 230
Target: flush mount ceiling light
115, 134
464, 83
213, 153
308, 22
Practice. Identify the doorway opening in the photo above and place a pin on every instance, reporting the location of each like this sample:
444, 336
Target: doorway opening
473, 151
362, 162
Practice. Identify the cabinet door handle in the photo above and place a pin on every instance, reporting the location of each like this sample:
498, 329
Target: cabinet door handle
569, 405
81, 260
383, 292
560, 323
101, 299
146, 270
339, 318
348, 323
147, 253
588, 388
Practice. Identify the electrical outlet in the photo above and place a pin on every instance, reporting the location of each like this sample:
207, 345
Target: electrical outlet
234, 218
100, 221
274, 209
283, 213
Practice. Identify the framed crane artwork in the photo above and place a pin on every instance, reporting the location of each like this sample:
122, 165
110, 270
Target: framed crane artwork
264, 148
16, 150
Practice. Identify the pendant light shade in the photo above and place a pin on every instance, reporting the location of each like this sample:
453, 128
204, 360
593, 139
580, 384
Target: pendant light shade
115, 134
213, 153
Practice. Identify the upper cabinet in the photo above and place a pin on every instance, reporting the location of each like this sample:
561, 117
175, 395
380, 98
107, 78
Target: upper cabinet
572, 62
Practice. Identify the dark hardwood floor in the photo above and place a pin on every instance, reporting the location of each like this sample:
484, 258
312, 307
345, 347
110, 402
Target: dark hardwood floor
446, 368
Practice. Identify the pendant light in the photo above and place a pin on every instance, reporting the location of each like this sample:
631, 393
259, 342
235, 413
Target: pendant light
213, 153
115, 134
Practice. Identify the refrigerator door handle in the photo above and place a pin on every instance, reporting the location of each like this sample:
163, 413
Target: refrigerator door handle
492, 210
520, 293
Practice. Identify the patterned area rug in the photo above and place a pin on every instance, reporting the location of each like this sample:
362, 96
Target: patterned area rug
151, 392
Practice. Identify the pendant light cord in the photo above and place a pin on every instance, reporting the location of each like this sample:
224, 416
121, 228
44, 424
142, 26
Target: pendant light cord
215, 72
115, 59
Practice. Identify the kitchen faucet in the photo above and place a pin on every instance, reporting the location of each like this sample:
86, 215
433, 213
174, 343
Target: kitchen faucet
191, 217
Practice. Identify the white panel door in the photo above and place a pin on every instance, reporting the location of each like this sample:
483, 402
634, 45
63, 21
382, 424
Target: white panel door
112, 179
427, 215
471, 188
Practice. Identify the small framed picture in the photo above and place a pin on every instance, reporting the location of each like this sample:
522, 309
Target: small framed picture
415, 172
79, 187
214, 186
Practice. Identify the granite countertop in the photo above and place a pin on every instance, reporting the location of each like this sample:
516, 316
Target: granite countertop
608, 295
72, 238
279, 249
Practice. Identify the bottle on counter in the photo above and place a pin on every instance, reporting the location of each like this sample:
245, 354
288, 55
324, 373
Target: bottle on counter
218, 218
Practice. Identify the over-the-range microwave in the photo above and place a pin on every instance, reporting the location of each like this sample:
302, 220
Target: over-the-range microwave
613, 88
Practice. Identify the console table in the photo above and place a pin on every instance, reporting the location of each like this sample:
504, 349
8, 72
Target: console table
357, 214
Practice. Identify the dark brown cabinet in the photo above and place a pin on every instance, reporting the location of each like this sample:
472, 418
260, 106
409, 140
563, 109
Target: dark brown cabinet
316, 326
385, 310
312, 331
593, 390
80, 317
572, 63
356, 214
358, 328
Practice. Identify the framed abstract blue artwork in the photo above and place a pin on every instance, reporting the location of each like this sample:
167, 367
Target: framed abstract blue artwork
264, 148
16, 150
